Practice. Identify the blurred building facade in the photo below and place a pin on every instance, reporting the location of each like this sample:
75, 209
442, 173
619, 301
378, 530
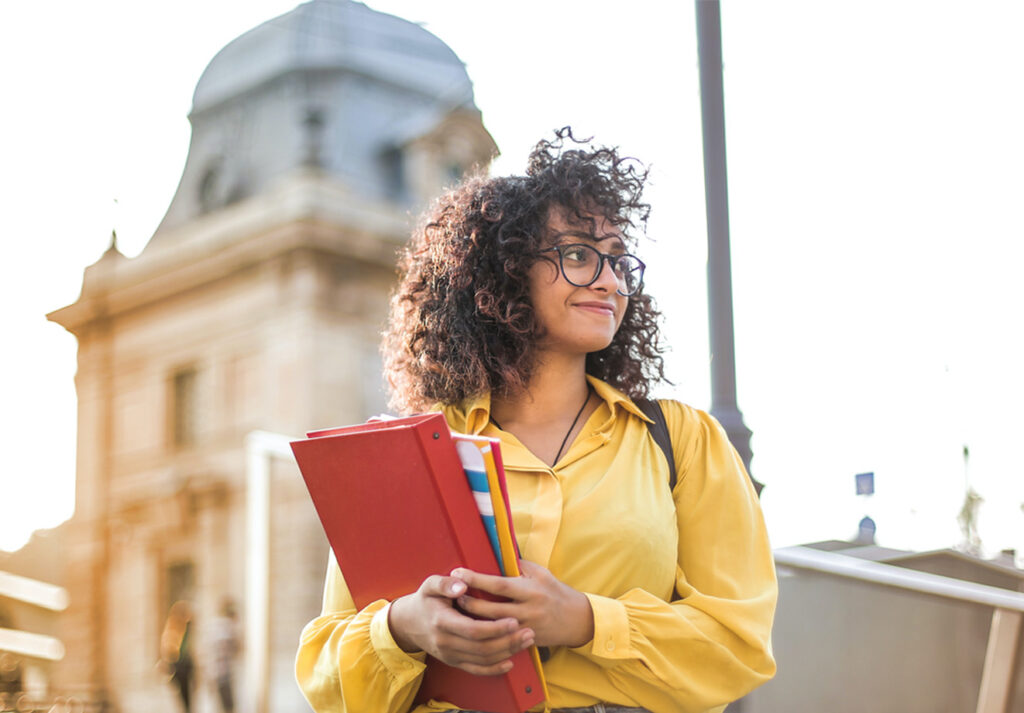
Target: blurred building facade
256, 305
32, 599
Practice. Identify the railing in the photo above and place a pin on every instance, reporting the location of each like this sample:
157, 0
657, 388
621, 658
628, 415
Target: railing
900, 577
1007, 614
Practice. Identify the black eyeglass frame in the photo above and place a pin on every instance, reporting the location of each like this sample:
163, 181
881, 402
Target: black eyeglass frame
601, 259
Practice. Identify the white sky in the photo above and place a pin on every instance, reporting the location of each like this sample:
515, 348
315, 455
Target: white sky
876, 176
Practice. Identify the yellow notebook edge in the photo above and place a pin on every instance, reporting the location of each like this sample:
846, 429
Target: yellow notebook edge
502, 518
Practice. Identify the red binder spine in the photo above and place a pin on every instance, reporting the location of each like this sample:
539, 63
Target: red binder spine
463, 521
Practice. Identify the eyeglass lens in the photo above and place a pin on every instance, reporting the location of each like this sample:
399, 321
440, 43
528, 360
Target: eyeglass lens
581, 265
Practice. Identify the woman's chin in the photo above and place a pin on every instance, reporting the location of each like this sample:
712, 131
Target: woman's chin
580, 348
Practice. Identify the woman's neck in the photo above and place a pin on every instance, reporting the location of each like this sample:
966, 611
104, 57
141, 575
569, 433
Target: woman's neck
554, 394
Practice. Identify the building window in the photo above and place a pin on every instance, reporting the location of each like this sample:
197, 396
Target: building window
184, 408
453, 173
393, 171
179, 589
180, 582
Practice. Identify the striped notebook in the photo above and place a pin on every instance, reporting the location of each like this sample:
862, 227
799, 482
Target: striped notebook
481, 460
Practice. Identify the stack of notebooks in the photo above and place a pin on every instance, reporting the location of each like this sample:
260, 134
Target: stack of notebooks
403, 499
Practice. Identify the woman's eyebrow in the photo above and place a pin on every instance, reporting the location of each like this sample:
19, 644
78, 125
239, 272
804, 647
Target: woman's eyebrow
619, 243
578, 234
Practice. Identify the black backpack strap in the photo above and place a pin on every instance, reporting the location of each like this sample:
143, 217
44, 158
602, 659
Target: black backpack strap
659, 431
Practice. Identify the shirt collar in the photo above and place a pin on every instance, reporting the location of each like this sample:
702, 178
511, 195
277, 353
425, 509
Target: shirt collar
615, 398
474, 413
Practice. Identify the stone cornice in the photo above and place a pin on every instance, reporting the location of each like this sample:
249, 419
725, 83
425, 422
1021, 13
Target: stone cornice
306, 211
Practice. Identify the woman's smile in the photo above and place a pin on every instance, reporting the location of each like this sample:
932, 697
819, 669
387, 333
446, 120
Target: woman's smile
595, 307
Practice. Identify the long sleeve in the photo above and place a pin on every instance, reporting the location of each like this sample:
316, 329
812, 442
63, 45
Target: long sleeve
711, 645
348, 661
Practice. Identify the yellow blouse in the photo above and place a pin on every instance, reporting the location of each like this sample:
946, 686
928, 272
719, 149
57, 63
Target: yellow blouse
604, 522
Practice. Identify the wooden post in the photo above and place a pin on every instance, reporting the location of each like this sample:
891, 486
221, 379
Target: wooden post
1000, 665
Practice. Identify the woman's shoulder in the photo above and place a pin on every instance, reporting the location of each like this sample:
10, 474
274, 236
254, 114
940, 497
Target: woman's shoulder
680, 415
692, 430
684, 421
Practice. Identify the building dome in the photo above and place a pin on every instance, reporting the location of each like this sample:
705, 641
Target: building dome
371, 102
324, 35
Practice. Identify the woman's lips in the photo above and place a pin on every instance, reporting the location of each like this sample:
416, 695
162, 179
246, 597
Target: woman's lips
597, 308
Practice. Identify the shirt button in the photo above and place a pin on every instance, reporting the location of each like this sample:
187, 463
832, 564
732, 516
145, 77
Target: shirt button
610, 645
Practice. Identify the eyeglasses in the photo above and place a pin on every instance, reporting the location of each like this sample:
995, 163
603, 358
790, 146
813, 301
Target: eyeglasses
581, 265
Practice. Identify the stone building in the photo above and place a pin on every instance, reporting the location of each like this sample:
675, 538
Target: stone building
256, 305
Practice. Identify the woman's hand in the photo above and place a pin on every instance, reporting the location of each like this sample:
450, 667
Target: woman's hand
428, 621
556, 613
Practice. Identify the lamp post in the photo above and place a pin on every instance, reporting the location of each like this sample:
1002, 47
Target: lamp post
716, 197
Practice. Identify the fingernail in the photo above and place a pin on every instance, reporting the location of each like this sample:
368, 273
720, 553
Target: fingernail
458, 588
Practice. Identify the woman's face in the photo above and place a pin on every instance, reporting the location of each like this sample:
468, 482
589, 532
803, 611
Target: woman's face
577, 320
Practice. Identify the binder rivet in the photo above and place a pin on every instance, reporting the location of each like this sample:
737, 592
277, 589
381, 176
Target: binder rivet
436, 436
529, 689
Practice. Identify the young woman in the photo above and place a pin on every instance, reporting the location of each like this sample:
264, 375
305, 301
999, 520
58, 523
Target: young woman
521, 316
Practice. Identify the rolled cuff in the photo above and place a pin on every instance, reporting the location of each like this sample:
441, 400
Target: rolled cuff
403, 666
611, 630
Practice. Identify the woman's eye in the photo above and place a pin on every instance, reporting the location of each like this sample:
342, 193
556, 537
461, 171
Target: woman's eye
576, 253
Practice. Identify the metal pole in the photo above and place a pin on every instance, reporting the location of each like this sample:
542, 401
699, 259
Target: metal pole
716, 196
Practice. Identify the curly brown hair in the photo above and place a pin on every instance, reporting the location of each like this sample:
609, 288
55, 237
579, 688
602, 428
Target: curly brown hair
461, 319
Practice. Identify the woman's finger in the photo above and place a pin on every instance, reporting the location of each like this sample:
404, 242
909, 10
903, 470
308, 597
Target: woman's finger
509, 587
485, 652
488, 609
457, 624
533, 570
492, 670
440, 586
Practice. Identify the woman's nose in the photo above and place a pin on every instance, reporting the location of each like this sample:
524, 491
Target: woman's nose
606, 279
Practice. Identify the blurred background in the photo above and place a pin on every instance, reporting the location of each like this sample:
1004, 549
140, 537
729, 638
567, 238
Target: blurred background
874, 156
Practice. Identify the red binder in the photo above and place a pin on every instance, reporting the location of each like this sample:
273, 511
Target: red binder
396, 507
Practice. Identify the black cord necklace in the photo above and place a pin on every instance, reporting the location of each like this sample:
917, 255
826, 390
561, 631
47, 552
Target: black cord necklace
571, 427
